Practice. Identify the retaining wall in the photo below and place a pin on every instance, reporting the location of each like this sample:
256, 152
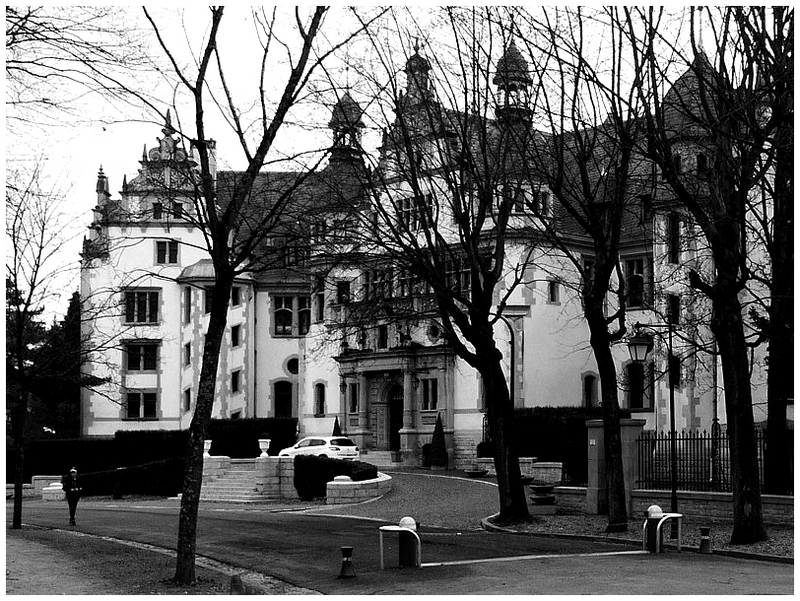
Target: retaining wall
344, 490
778, 510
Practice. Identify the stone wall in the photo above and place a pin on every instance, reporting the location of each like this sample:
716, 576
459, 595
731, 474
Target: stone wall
275, 477
526, 466
776, 509
344, 490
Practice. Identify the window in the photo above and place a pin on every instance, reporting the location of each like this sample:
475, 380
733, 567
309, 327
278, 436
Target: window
319, 399
639, 384
673, 309
235, 331
187, 304
677, 163
141, 356
141, 306
303, 314
177, 210
187, 399
430, 394
590, 391
638, 278
291, 315
283, 399
342, 292
354, 397
377, 284
702, 164
674, 371
236, 296
553, 293
320, 307
141, 405
415, 212
158, 210
293, 366
405, 283
459, 275
383, 336
673, 238
187, 353
518, 196
166, 252
283, 315
235, 377
208, 296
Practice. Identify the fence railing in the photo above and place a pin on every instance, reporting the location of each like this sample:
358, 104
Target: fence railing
702, 460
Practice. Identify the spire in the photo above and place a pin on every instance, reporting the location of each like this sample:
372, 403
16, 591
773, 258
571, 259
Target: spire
102, 182
168, 129
124, 183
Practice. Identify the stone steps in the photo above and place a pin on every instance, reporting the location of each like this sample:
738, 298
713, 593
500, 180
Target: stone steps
378, 458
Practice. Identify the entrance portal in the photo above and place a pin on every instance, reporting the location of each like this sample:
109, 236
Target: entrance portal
395, 397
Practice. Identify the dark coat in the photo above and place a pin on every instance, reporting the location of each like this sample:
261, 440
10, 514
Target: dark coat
71, 485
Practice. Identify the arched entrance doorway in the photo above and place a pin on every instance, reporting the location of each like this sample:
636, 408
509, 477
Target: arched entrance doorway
395, 398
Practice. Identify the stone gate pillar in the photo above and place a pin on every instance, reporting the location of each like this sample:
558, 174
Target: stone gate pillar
596, 491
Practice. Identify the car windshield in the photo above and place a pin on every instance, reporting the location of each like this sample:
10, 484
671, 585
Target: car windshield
342, 442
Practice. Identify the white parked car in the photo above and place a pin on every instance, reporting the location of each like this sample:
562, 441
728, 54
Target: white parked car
337, 447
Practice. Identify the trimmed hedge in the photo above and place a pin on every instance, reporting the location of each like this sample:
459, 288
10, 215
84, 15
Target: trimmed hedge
312, 473
238, 438
158, 478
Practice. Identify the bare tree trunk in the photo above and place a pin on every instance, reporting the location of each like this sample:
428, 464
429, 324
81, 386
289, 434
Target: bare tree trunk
726, 323
19, 427
500, 411
780, 379
612, 447
193, 476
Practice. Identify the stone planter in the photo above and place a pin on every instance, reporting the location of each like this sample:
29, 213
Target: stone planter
263, 444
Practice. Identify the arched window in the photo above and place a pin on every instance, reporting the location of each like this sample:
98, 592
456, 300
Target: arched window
639, 384
283, 399
319, 399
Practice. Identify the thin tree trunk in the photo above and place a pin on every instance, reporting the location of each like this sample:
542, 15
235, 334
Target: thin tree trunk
612, 437
19, 429
193, 476
500, 411
726, 323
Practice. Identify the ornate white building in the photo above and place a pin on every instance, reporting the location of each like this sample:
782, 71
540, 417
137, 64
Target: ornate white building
316, 340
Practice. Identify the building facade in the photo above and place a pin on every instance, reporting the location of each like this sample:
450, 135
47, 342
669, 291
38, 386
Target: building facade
329, 335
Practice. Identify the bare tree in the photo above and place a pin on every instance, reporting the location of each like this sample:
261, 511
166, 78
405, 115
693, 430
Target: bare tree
58, 56
238, 217
36, 363
717, 112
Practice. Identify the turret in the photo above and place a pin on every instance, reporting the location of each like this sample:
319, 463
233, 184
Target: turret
512, 79
346, 125
417, 69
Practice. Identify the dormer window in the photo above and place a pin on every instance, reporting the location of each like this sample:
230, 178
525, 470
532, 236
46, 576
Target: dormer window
158, 210
177, 210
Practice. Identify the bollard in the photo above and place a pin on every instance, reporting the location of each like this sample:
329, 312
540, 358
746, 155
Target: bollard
347, 570
705, 540
407, 548
654, 515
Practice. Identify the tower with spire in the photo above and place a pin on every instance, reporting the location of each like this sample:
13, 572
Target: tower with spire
513, 81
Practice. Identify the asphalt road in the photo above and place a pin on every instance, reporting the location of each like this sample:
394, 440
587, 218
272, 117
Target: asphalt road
305, 549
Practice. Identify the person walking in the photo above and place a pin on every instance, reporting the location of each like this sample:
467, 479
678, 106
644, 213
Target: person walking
72, 489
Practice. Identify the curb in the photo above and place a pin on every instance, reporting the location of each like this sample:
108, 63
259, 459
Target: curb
487, 525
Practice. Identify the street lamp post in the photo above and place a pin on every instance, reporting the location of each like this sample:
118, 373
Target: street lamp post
639, 346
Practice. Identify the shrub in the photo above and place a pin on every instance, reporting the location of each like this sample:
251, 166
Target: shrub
159, 478
312, 473
438, 450
485, 449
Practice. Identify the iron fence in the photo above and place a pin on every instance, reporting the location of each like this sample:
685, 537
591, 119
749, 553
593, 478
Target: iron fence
702, 460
